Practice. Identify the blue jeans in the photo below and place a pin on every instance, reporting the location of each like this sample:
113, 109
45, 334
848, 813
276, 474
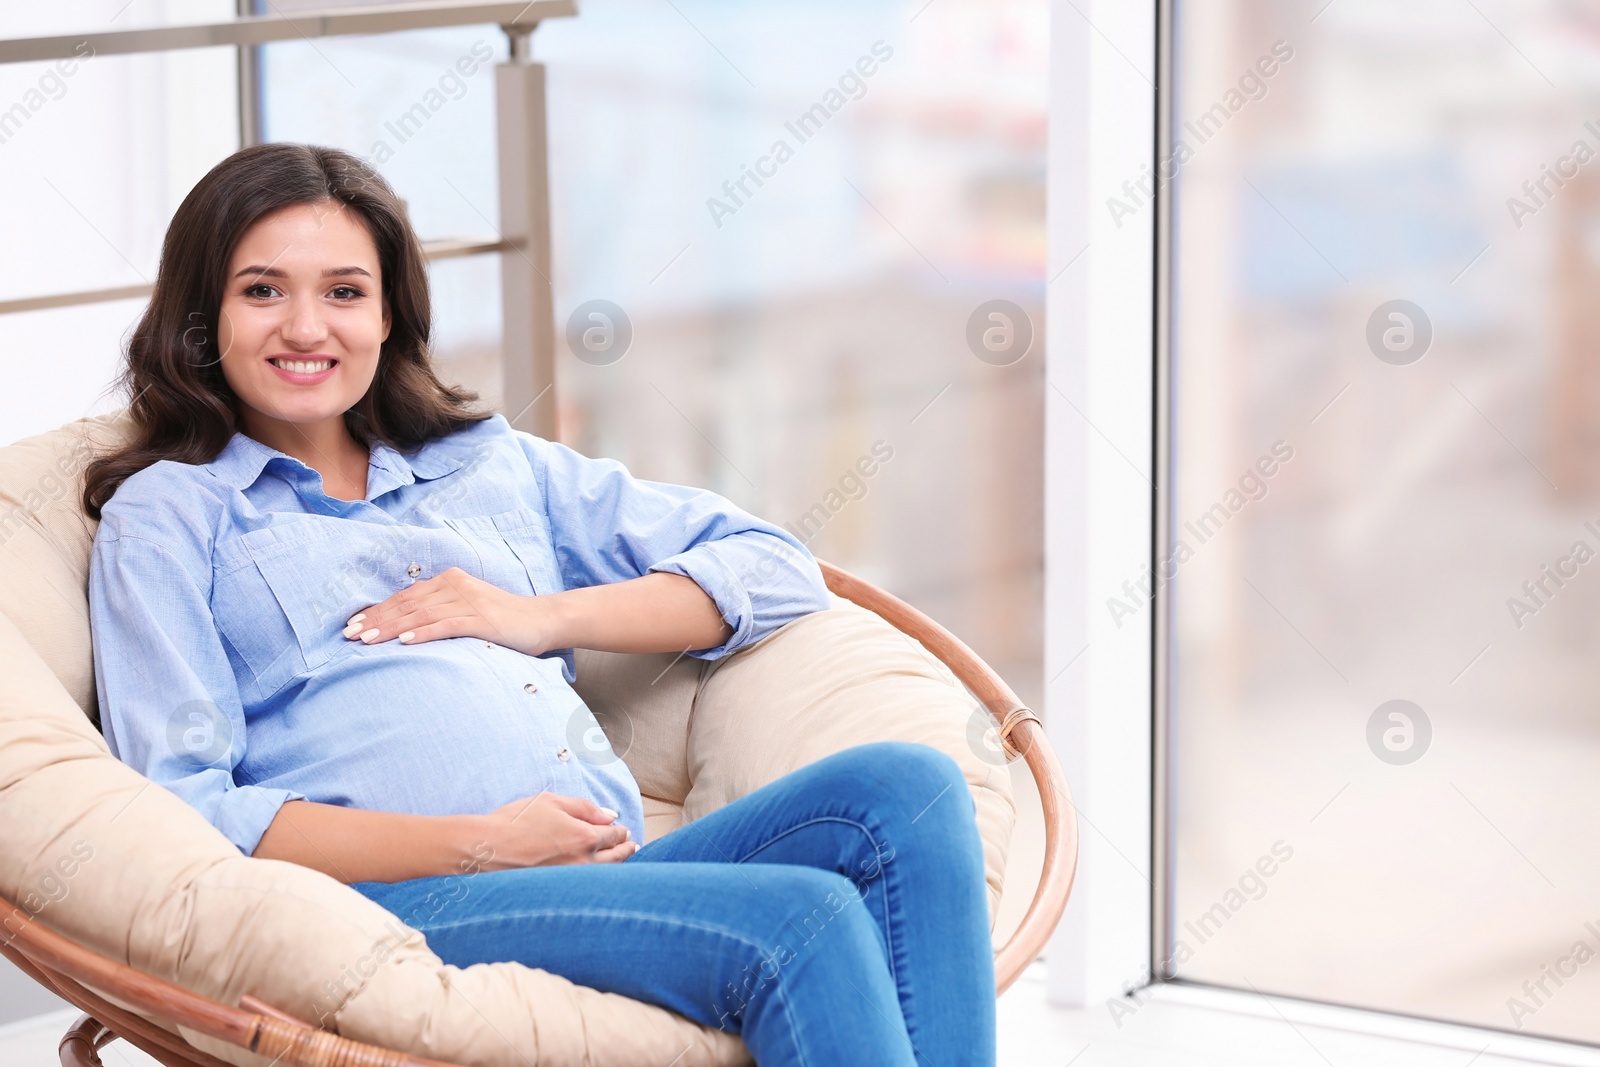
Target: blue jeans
835, 916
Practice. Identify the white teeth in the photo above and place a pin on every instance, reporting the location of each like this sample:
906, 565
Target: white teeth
303, 366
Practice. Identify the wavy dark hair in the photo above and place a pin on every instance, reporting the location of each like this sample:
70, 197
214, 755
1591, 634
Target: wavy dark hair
181, 405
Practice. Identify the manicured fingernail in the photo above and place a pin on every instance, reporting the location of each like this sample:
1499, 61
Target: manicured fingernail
357, 617
368, 635
353, 629
407, 636
608, 813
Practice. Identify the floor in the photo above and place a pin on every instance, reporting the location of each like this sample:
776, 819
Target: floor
1179, 1028
1161, 1033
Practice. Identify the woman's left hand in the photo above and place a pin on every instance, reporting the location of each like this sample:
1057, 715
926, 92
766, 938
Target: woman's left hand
455, 604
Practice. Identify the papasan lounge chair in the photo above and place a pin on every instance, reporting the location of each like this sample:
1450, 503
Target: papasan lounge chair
117, 896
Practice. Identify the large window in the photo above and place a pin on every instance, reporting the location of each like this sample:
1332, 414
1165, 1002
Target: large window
1382, 543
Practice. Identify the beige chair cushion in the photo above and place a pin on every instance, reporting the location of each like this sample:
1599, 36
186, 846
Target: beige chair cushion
823, 683
155, 885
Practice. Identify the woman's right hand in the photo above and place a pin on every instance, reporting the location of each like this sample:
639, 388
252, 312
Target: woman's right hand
551, 830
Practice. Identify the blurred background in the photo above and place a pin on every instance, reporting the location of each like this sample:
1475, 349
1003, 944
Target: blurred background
1433, 472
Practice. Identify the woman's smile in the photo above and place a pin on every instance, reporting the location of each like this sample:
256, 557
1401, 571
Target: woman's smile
303, 370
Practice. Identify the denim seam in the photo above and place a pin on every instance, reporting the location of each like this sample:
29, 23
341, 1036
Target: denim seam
794, 1031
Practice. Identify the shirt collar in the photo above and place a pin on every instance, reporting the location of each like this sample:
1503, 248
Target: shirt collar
241, 462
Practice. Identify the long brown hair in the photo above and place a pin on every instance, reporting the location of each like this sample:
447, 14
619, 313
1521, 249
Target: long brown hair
181, 405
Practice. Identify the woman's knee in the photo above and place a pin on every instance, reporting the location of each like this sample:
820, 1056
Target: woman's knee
919, 772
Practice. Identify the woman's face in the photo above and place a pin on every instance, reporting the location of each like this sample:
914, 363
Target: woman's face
302, 316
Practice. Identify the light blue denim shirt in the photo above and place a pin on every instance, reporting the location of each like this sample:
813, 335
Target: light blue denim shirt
218, 593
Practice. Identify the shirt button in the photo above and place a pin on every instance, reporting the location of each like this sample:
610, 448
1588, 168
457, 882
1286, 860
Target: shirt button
563, 754
530, 689
414, 569
488, 644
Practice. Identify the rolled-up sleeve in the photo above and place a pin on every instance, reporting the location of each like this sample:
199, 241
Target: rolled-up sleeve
608, 526
169, 705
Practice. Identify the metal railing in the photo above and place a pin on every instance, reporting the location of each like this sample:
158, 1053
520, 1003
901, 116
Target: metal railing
523, 242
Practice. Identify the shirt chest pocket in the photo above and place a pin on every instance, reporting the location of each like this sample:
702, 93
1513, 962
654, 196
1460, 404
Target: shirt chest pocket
284, 593
510, 550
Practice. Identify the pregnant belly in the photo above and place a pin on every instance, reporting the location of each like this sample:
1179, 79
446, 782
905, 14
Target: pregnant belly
448, 727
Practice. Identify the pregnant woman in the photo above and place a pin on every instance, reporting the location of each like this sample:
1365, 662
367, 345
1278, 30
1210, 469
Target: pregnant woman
334, 609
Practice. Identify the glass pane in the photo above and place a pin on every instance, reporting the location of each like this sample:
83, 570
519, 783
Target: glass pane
793, 327
95, 155
466, 324
1386, 425
60, 363
419, 106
